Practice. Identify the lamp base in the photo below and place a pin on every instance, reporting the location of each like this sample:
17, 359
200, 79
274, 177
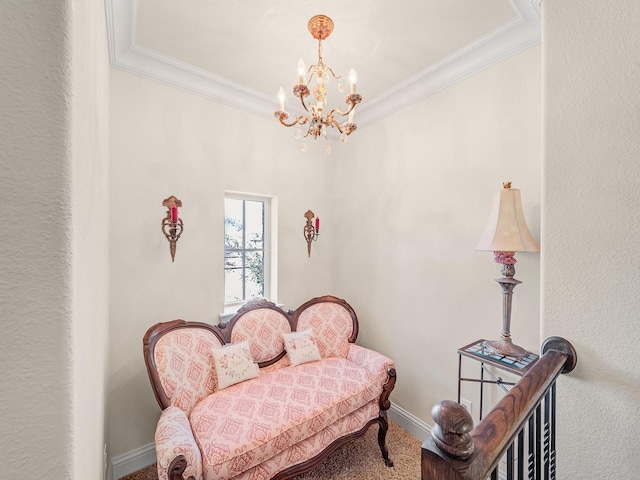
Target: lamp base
504, 347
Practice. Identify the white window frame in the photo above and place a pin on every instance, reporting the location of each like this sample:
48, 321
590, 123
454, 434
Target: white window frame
270, 249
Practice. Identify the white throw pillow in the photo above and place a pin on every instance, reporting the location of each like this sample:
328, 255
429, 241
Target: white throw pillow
301, 347
234, 364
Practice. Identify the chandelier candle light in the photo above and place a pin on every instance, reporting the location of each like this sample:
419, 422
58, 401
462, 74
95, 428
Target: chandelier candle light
320, 27
505, 234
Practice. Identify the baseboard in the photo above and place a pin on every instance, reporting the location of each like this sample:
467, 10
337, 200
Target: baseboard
146, 455
409, 422
132, 461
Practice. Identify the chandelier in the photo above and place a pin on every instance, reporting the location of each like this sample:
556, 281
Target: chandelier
317, 119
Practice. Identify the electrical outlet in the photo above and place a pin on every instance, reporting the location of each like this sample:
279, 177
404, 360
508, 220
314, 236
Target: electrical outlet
467, 405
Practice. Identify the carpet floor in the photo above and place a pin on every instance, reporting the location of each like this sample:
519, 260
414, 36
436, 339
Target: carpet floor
358, 459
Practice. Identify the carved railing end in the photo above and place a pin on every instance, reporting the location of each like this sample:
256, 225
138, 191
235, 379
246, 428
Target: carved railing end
561, 345
451, 430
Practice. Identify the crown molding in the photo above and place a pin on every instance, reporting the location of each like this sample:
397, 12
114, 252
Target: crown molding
125, 54
516, 35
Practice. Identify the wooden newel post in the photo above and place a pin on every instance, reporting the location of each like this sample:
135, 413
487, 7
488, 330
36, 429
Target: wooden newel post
451, 430
456, 450
444, 453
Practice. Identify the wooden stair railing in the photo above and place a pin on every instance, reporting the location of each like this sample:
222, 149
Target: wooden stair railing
515, 439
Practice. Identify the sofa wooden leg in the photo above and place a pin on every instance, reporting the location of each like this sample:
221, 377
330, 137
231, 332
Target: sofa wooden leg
382, 419
382, 437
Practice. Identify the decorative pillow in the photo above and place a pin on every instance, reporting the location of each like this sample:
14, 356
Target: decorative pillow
234, 364
301, 347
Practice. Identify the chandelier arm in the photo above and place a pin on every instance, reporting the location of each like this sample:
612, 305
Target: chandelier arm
337, 110
337, 77
335, 123
301, 119
322, 65
303, 104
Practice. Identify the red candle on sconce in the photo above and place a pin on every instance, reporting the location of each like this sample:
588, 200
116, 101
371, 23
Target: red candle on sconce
174, 213
317, 224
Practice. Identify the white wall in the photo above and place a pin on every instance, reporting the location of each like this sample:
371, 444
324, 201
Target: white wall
54, 270
415, 192
90, 143
402, 205
591, 265
165, 141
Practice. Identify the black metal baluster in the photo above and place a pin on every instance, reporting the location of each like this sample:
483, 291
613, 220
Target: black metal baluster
538, 442
494, 474
532, 446
521, 454
510, 462
547, 435
552, 458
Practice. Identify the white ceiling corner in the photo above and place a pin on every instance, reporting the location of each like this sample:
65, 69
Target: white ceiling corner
515, 35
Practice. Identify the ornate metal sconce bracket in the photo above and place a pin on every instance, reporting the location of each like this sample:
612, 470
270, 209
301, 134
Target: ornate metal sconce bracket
311, 232
172, 225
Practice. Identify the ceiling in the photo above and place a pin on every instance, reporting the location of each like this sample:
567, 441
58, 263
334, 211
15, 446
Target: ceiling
240, 53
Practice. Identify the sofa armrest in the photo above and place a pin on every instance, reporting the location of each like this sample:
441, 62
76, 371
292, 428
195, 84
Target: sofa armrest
374, 362
177, 452
377, 364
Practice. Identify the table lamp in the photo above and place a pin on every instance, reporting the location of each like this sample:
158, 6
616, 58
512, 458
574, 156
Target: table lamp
505, 234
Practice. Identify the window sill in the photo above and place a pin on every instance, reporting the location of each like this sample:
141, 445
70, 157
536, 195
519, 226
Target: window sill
231, 310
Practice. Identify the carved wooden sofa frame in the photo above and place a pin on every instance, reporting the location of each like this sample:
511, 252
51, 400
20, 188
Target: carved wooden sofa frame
224, 333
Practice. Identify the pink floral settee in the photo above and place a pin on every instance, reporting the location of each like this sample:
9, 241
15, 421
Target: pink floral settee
267, 396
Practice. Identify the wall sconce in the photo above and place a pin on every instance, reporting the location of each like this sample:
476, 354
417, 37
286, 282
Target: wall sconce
310, 232
171, 224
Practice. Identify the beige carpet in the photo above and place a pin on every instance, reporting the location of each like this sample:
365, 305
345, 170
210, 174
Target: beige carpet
359, 459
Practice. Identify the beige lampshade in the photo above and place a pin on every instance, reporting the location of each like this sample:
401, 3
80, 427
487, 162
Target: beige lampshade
507, 229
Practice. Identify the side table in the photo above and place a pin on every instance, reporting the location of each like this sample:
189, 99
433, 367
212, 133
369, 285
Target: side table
477, 351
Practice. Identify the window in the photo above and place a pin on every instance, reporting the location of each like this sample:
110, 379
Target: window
247, 248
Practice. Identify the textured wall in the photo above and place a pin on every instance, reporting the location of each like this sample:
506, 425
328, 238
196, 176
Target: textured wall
36, 280
53, 350
591, 265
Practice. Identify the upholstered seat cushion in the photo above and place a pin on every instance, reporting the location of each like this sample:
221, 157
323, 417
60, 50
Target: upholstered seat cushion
248, 423
313, 445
